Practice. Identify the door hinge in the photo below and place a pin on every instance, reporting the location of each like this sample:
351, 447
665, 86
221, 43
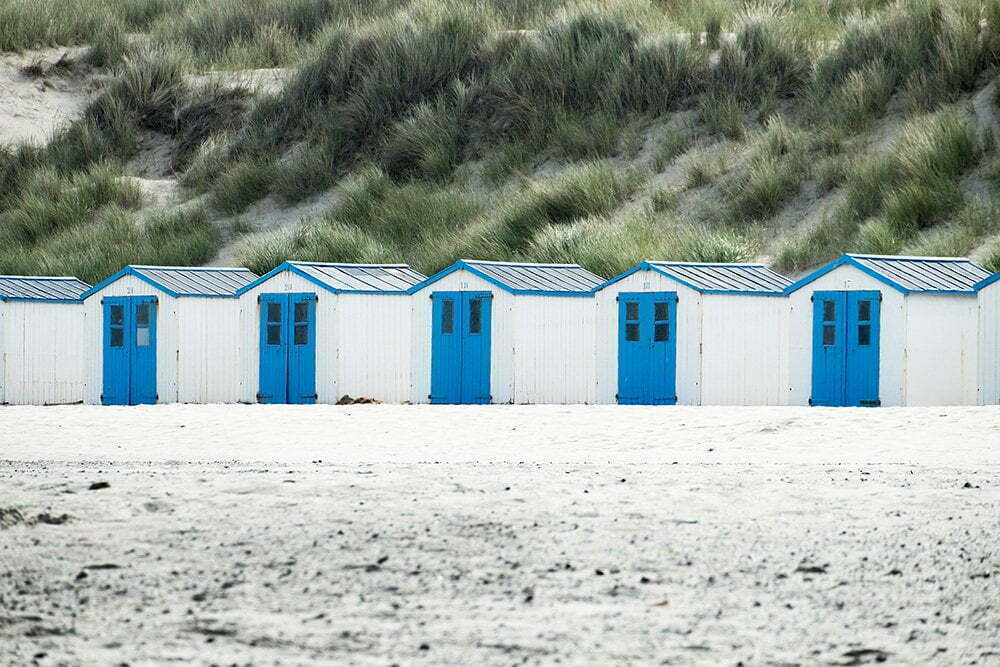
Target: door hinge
813, 298
871, 404
258, 298
260, 395
880, 297
616, 397
156, 398
810, 401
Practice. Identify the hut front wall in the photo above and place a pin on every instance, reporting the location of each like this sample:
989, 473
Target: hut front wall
373, 354
989, 345
554, 359
166, 338
209, 350
326, 334
892, 348
744, 354
502, 337
688, 332
41, 353
942, 349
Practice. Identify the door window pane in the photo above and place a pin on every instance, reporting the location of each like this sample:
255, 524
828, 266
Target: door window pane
274, 334
302, 311
273, 312
475, 316
829, 334
142, 337
864, 310
447, 317
117, 337
661, 332
632, 331
632, 310
302, 334
142, 315
661, 311
118, 315
864, 334
829, 311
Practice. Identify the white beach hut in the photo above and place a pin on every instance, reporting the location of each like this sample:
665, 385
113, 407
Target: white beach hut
868, 330
314, 332
502, 332
159, 334
693, 334
41, 340
988, 291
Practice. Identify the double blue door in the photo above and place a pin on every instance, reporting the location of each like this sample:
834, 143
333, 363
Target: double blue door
460, 347
129, 362
287, 348
647, 348
845, 359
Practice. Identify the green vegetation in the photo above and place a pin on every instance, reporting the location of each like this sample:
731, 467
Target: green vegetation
506, 129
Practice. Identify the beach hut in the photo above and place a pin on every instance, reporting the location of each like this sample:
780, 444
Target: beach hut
988, 291
315, 332
869, 330
502, 332
163, 334
692, 333
41, 334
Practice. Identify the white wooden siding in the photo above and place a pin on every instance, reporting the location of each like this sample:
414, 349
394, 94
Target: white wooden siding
41, 353
373, 351
941, 349
688, 333
554, 358
208, 353
744, 349
989, 345
166, 338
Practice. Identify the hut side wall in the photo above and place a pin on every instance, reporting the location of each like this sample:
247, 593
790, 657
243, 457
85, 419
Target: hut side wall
989, 345
208, 356
166, 338
744, 354
373, 352
892, 350
554, 359
326, 335
941, 350
502, 335
41, 353
689, 335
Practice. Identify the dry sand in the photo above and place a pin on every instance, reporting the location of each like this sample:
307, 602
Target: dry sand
499, 535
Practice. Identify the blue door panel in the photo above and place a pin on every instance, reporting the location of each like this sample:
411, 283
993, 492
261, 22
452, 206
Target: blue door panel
461, 344
845, 350
129, 350
287, 333
647, 348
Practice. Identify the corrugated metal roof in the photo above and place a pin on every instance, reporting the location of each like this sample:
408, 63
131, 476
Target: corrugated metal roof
541, 278
926, 274
197, 281
42, 288
716, 277
362, 277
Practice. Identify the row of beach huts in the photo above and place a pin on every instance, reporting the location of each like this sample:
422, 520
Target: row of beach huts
864, 330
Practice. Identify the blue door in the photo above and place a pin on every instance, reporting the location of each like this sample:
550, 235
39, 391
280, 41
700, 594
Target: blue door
129, 358
647, 348
845, 360
287, 348
460, 347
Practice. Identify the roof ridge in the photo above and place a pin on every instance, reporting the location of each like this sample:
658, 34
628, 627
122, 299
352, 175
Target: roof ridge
189, 268
11, 277
910, 258
349, 264
497, 263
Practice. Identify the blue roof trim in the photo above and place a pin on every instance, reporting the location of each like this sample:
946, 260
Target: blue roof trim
137, 271
853, 260
25, 299
986, 282
469, 266
649, 266
288, 265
